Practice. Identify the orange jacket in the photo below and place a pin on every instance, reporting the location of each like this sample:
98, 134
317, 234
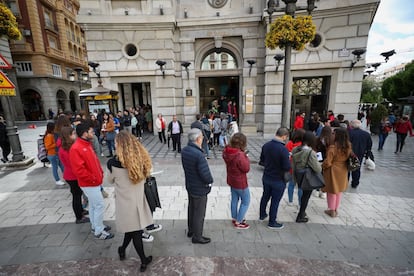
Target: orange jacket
50, 144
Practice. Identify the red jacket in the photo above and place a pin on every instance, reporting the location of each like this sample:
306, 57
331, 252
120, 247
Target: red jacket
299, 122
238, 165
85, 164
64, 158
403, 127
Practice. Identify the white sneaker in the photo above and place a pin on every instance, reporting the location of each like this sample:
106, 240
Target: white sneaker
322, 195
153, 228
147, 237
290, 203
60, 182
102, 154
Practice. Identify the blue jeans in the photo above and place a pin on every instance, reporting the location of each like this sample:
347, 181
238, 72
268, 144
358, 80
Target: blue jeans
381, 139
272, 189
96, 207
244, 196
111, 146
54, 160
223, 140
291, 189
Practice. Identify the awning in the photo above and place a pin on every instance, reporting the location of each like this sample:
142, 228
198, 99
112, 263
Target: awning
409, 99
97, 91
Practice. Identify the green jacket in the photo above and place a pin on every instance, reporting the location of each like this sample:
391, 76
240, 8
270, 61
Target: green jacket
300, 156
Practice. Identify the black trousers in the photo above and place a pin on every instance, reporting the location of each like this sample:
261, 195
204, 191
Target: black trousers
176, 140
161, 135
136, 237
196, 213
304, 203
5, 147
76, 192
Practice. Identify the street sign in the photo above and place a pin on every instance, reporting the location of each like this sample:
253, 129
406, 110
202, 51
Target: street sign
6, 86
4, 64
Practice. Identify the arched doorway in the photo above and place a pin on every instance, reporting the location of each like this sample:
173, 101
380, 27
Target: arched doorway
222, 84
61, 100
72, 100
32, 106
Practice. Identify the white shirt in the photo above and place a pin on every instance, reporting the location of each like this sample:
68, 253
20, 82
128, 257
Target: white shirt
175, 128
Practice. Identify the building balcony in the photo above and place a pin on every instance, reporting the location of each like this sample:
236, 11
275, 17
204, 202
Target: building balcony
21, 48
55, 52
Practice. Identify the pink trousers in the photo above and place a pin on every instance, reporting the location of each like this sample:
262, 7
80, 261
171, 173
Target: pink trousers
333, 200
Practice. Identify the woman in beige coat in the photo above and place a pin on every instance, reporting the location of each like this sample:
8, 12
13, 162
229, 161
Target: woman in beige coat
128, 171
335, 170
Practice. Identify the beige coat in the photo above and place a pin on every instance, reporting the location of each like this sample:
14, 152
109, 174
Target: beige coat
335, 170
132, 211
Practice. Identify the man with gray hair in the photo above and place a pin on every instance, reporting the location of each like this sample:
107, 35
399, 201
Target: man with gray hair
198, 182
361, 145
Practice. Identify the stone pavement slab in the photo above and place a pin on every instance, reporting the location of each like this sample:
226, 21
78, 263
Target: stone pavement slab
373, 235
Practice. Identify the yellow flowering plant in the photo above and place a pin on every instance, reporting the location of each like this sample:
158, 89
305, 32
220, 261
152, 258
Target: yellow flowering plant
8, 23
287, 30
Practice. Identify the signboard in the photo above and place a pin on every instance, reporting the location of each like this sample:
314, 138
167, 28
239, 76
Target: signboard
249, 100
6, 86
4, 64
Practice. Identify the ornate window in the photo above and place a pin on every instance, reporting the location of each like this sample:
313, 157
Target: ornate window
307, 86
219, 61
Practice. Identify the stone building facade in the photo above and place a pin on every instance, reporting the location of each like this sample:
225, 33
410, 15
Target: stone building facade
203, 48
52, 46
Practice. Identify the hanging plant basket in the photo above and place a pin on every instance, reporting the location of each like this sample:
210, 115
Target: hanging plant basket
8, 24
287, 30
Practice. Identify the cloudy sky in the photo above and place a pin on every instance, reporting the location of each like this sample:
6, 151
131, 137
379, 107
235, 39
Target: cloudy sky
393, 28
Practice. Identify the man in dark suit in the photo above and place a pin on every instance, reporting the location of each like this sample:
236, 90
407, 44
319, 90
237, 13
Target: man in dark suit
175, 129
198, 181
361, 145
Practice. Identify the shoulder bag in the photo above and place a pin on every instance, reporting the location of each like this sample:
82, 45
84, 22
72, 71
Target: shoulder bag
353, 162
308, 179
151, 193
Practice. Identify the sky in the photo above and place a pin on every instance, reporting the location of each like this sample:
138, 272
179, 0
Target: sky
393, 28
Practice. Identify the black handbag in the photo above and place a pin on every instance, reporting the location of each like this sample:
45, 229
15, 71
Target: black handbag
308, 179
151, 193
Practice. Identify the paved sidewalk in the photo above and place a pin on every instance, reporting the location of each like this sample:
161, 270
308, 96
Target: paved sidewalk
373, 234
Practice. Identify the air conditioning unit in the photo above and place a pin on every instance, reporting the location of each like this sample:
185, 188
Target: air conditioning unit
27, 33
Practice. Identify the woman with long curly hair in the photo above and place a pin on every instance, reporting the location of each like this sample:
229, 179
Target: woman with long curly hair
335, 170
67, 138
128, 171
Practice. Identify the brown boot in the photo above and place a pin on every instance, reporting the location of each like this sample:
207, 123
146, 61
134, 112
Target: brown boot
330, 213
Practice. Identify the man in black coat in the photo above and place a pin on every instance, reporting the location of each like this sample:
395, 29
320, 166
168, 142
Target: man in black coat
175, 129
4, 141
198, 182
361, 145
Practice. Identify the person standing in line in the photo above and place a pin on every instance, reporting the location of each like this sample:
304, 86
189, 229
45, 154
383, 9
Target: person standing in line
275, 159
361, 145
299, 121
50, 146
197, 124
4, 141
301, 157
108, 129
198, 182
88, 171
67, 138
126, 118
160, 126
296, 141
385, 129
224, 123
401, 128
335, 170
322, 144
216, 130
128, 172
175, 128
237, 166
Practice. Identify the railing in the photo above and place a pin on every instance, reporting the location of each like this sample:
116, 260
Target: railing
55, 52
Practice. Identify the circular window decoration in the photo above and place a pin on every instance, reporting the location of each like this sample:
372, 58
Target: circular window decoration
130, 50
317, 43
217, 3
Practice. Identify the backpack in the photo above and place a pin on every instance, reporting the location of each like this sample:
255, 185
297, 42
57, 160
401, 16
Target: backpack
134, 122
41, 151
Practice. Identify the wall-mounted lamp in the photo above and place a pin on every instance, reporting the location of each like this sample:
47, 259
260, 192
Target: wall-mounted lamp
357, 53
161, 64
161, 10
217, 14
185, 13
126, 11
271, 8
89, 12
278, 58
185, 64
250, 9
388, 54
251, 62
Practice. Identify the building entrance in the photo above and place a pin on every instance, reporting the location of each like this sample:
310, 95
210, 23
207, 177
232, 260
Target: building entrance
222, 89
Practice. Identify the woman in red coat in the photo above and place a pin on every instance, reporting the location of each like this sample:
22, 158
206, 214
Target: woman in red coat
238, 165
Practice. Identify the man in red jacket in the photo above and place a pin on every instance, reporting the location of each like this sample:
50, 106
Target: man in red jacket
88, 170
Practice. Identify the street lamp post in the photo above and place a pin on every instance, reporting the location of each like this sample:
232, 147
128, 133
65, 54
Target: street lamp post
82, 76
289, 9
